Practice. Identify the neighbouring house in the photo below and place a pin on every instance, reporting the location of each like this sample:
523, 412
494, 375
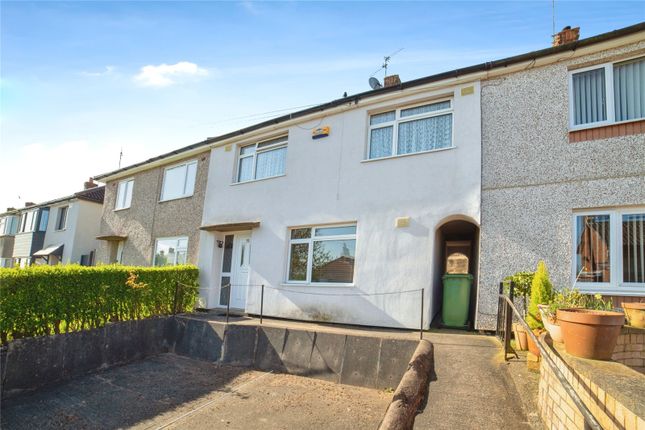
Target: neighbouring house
8, 229
563, 176
153, 210
60, 231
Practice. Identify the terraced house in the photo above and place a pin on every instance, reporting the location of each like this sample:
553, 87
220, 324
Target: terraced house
563, 169
153, 210
59, 231
346, 212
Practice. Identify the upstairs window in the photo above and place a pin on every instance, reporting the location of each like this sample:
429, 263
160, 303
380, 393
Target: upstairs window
608, 93
179, 181
8, 225
411, 130
44, 219
28, 221
61, 219
124, 194
262, 160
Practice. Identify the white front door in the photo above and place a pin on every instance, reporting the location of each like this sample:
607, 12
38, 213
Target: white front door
240, 269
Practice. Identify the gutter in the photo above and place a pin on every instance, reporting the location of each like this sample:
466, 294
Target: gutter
452, 77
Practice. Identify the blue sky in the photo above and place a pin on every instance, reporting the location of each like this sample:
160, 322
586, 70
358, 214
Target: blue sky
81, 80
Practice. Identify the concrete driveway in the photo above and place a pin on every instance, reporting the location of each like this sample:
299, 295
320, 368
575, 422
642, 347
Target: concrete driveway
171, 391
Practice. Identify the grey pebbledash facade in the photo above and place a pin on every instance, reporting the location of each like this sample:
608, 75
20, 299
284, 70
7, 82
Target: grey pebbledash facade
539, 173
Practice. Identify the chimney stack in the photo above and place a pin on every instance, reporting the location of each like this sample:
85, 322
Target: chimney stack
567, 35
391, 81
29, 204
89, 184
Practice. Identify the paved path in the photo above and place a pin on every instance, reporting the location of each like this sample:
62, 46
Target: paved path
170, 391
471, 387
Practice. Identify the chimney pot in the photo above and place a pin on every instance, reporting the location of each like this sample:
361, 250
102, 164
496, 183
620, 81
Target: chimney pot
391, 81
567, 35
89, 184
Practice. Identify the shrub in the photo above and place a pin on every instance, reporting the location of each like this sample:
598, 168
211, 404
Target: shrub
43, 300
572, 298
541, 293
521, 286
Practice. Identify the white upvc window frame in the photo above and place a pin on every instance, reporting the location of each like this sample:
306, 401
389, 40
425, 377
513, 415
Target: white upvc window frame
175, 238
58, 216
310, 253
609, 96
118, 187
23, 227
400, 120
280, 142
184, 194
615, 286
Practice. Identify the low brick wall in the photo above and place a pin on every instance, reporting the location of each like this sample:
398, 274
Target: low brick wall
614, 393
630, 349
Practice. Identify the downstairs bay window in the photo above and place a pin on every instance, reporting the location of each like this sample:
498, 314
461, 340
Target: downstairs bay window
322, 255
609, 251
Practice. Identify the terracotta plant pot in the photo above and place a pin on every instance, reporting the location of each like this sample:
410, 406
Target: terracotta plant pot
589, 333
521, 342
533, 348
635, 313
550, 324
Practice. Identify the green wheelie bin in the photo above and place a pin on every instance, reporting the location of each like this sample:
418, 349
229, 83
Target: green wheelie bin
456, 299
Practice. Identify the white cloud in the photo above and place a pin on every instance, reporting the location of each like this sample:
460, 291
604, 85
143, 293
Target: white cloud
164, 75
108, 70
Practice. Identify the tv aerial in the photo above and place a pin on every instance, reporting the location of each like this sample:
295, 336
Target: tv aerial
374, 83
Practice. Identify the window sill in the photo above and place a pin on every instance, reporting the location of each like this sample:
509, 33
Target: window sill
612, 290
605, 131
258, 180
62, 229
602, 124
176, 198
315, 284
370, 160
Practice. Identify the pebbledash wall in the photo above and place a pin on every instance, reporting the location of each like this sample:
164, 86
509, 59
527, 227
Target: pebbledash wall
148, 218
534, 178
329, 181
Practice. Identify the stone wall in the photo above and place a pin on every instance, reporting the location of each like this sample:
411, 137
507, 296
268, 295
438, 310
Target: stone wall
148, 219
533, 177
613, 393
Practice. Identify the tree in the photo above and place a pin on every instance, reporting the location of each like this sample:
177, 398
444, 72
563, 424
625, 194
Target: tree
541, 293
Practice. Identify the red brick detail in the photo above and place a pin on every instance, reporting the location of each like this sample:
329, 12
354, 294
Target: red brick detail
567, 35
608, 131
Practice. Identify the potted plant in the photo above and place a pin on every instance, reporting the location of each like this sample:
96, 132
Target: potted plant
635, 313
590, 329
521, 282
541, 294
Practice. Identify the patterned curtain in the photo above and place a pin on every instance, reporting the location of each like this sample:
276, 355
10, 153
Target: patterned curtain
381, 142
425, 134
270, 163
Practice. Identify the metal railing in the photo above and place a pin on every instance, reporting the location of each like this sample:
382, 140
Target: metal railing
505, 313
313, 293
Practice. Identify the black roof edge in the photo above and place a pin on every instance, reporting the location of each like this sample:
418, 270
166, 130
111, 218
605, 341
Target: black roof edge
355, 98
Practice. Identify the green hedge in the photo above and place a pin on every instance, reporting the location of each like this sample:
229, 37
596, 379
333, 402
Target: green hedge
43, 300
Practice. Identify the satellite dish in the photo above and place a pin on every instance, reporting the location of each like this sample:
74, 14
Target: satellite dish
375, 84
